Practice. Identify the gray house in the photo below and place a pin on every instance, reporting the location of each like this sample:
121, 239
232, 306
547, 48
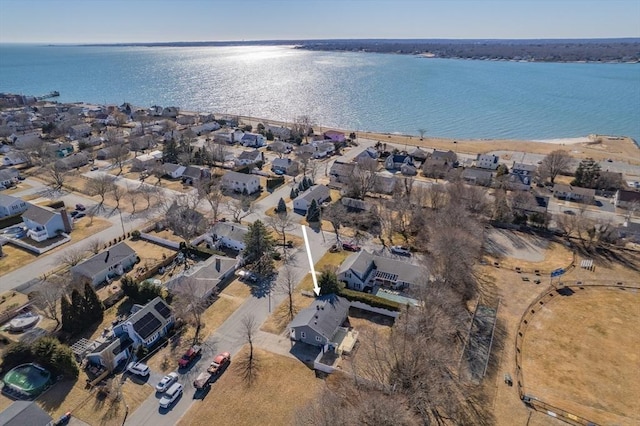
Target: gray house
321, 323
229, 235
320, 193
477, 176
240, 182
111, 352
147, 323
203, 280
110, 263
285, 165
21, 413
366, 271
11, 206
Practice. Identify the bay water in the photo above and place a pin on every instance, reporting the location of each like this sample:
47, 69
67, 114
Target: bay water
349, 90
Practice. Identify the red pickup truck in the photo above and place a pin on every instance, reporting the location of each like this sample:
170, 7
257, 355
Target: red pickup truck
189, 356
219, 363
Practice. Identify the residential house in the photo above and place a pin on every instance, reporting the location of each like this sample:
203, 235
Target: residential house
203, 279
104, 154
477, 176
394, 162
408, 170
630, 231
207, 117
174, 171
437, 168
60, 150
320, 324
170, 112
280, 147
11, 206
187, 119
354, 205
44, 222
520, 176
334, 136
286, 166
21, 413
206, 127
367, 154
626, 199
79, 131
449, 156
249, 157
155, 111
385, 183
74, 161
574, 193
147, 324
364, 271
340, 173
109, 353
323, 149
487, 161
4, 148
193, 175
14, 159
9, 176
253, 140
240, 182
320, 193
279, 131
106, 265
419, 155
146, 161
229, 136
229, 235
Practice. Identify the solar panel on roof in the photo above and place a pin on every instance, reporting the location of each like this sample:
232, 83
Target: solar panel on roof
147, 325
163, 309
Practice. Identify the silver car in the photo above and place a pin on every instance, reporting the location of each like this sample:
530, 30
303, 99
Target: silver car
138, 368
171, 395
167, 381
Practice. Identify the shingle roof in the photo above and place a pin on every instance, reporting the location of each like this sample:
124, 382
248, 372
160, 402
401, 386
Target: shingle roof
628, 196
324, 315
318, 192
361, 261
170, 167
205, 277
21, 413
7, 200
282, 162
104, 260
7, 174
192, 172
238, 177
559, 187
250, 155
232, 231
40, 215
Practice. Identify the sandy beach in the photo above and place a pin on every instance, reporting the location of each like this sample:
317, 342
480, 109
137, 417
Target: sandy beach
598, 147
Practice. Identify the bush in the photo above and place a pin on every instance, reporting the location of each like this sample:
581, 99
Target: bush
369, 299
276, 255
46, 351
135, 234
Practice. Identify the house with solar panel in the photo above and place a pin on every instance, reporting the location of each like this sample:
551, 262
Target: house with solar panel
147, 323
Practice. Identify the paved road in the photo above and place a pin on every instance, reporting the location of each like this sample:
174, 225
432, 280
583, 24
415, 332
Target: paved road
228, 337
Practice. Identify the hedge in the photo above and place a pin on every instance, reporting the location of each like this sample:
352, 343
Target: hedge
273, 183
369, 299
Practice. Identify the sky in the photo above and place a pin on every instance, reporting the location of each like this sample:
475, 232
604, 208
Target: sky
122, 21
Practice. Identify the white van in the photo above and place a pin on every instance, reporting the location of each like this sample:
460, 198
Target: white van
171, 395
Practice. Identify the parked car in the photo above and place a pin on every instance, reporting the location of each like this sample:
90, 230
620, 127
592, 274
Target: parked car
167, 381
189, 356
80, 207
401, 250
171, 395
247, 276
80, 215
202, 381
21, 178
350, 247
219, 363
138, 369
279, 172
74, 213
94, 168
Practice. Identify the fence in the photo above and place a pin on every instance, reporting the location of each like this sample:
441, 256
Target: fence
526, 318
38, 250
521, 270
160, 241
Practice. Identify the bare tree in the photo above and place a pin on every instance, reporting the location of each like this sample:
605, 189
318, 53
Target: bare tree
363, 178
100, 186
119, 153
288, 279
183, 218
304, 158
337, 215
148, 193
117, 192
554, 164
239, 208
71, 256
58, 174
302, 126
47, 298
436, 196
211, 191
95, 245
190, 305
282, 223
133, 195
249, 364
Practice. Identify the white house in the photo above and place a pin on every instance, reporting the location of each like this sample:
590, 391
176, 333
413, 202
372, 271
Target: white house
365, 271
626, 199
9, 176
44, 222
249, 157
107, 264
240, 182
146, 160
175, 171
320, 193
11, 206
229, 235
147, 324
14, 159
487, 161
79, 131
254, 140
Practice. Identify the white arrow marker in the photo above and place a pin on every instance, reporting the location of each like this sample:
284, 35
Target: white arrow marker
316, 289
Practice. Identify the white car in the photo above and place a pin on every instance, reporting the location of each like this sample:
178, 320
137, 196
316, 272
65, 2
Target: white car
167, 381
404, 251
171, 395
138, 368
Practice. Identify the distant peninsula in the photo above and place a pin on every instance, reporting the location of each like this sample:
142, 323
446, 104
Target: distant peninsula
541, 50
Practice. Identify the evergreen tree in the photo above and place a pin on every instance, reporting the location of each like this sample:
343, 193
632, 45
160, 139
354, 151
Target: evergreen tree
67, 314
313, 212
282, 206
170, 151
93, 306
301, 185
79, 314
502, 170
328, 283
293, 194
259, 248
587, 173
308, 182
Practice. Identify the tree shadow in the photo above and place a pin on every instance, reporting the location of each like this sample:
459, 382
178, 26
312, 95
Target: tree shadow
54, 397
262, 288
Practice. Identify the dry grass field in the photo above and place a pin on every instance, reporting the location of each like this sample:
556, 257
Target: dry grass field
283, 385
581, 353
149, 253
14, 258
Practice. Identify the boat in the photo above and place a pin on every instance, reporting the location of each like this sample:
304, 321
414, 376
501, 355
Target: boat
23, 322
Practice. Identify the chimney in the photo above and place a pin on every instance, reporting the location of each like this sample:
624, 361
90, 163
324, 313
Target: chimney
218, 264
107, 257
